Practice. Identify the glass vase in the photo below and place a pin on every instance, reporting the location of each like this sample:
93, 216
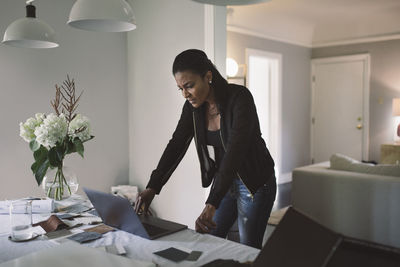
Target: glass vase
60, 183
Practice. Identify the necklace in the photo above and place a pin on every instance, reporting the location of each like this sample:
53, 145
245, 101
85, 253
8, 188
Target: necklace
213, 111
213, 115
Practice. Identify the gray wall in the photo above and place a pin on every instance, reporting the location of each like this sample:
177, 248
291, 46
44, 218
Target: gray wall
155, 103
97, 62
384, 86
296, 97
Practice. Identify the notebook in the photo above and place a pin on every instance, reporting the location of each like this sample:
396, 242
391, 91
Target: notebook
117, 212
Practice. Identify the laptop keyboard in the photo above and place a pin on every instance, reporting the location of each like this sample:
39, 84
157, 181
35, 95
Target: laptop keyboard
153, 230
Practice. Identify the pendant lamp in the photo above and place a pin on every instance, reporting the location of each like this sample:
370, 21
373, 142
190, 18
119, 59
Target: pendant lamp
102, 16
30, 32
231, 2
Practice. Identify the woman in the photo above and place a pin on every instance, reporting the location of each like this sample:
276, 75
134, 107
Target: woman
242, 174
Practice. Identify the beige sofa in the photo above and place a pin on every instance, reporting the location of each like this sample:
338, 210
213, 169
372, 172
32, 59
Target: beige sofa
364, 206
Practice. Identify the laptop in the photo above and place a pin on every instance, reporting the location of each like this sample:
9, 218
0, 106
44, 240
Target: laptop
300, 241
117, 212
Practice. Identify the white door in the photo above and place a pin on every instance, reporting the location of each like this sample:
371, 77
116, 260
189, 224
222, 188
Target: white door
340, 107
264, 82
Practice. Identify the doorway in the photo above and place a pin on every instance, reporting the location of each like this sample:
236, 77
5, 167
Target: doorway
340, 107
264, 80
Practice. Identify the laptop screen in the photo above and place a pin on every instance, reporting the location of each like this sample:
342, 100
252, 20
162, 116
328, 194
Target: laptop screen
117, 212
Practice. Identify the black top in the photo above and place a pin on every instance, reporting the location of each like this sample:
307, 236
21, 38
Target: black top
245, 153
214, 139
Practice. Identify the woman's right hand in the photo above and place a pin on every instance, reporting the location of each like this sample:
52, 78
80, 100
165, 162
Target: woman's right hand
144, 199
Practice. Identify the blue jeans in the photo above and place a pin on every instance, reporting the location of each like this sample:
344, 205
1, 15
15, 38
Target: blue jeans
251, 213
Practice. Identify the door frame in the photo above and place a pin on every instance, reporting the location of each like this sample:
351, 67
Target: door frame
366, 59
275, 97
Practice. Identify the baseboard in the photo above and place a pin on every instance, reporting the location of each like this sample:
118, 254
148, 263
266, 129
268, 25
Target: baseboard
285, 178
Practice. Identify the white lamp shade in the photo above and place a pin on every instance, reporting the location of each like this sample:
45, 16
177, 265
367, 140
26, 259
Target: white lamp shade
231, 2
102, 15
231, 67
30, 33
396, 106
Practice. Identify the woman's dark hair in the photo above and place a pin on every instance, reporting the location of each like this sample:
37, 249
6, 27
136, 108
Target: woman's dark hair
196, 61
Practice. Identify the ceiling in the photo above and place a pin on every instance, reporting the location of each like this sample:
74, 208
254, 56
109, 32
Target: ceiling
316, 23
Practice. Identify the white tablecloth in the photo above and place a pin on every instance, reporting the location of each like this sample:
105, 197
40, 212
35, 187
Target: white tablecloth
137, 247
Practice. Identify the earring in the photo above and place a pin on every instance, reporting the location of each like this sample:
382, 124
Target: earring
209, 81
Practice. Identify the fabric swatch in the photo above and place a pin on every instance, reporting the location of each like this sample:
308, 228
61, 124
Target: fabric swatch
53, 223
194, 255
85, 237
59, 233
101, 229
172, 254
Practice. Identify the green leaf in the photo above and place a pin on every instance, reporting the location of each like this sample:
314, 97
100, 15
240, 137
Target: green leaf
40, 154
79, 146
33, 145
60, 152
41, 164
91, 137
34, 167
70, 147
55, 156
41, 171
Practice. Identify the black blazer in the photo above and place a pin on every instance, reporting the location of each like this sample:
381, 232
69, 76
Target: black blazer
246, 155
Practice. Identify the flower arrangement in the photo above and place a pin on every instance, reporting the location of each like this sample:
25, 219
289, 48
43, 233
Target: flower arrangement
51, 137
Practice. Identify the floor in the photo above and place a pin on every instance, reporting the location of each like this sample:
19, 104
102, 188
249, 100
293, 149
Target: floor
283, 199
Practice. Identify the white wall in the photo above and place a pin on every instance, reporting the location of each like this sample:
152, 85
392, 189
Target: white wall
97, 62
165, 28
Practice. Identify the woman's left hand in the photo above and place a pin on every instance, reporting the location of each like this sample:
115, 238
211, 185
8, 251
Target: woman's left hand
205, 223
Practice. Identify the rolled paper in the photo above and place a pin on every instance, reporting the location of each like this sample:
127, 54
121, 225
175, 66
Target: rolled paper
38, 206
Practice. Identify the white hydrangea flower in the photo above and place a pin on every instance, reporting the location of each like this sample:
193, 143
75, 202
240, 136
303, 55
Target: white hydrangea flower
80, 122
40, 117
27, 129
53, 129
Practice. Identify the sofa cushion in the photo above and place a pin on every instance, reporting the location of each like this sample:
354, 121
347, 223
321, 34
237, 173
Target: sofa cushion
345, 163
